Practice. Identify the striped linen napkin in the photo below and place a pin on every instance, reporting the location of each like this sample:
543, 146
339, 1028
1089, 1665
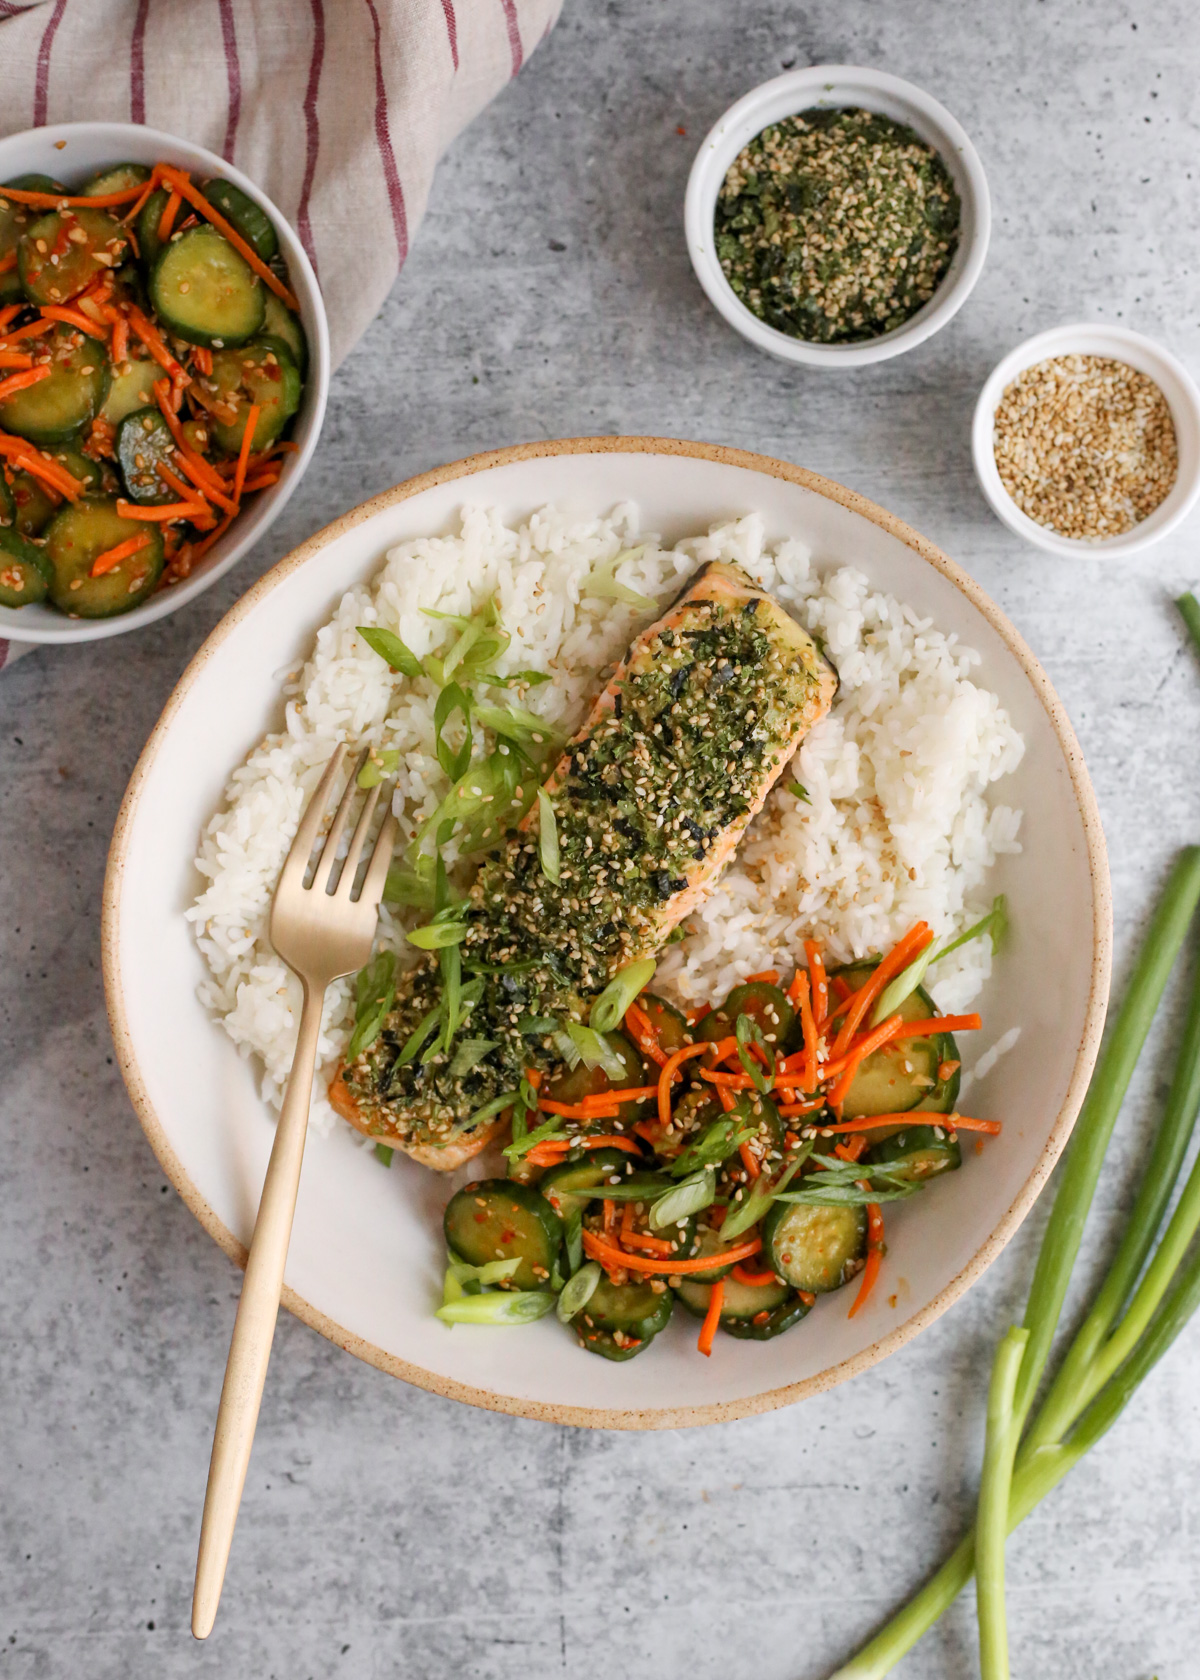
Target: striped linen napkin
338, 109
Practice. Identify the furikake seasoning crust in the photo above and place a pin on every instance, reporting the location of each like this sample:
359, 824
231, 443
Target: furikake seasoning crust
836, 225
649, 800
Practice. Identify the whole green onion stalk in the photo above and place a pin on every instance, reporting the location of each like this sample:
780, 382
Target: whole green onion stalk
1103, 1366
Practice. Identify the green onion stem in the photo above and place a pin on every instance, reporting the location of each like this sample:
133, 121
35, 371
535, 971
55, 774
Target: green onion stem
1090, 1361
1036, 1474
1190, 608
1081, 1168
991, 1523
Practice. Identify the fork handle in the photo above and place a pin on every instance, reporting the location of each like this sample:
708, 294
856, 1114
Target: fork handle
254, 1327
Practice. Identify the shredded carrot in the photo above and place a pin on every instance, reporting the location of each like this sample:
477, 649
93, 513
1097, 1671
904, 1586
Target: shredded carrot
215, 535
15, 359
874, 1256
607, 1254
808, 1026
793, 991
120, 337
10, 313
844, 1070
547, 1154
945, 1069
55, 201
621, 1094
187, 462
626, 1223
73, 318
708, 1330
807, 1297
156, 344
167, 220
948, 1122
939, 1024
607, 1140
26, 457
167, 511
641, 1029
789, 1111
852, 1150
576, 1111
610, 1224
261, 481
31, 329
753, 1280
818, 986
8, 261
647, 1243
728, 1100
22, 381
730, 1081
179, 183
669, 1069
239, 477
695, 1016
112, 557
769, 976
534, 1076
150, 188
749, 1160
202, 356
179, 485
914, 941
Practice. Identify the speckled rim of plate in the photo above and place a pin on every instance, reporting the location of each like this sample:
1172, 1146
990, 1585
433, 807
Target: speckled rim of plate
666, 1417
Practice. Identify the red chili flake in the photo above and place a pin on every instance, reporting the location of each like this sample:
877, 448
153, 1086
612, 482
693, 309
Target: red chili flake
481, 1219
681, 130
507, 1236
760, 1317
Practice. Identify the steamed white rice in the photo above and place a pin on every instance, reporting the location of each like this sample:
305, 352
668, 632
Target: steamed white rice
898, 823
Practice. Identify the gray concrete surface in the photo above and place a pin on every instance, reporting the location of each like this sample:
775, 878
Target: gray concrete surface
388, 1532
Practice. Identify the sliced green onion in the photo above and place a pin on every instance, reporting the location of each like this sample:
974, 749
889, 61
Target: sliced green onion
991, 1528
529, 1025
578, 1291
1190, 608
469, 1054
762, 1193
687, 1197
526, 729
906, 982
573, 1239
491, 1272
547, 837
566, 1047
384, 1153
748, 1032
410, 1049
596, 1051
502, 1306
375, 992
515, 679
413, 887
506, 1099
602, 581
448, 927
799, 791
716, 1143
455, 761
389, 647
381, 762
608, 1011
548, 1132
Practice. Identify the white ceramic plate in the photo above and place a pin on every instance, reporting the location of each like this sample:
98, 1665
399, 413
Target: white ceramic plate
70, 152
367, 1255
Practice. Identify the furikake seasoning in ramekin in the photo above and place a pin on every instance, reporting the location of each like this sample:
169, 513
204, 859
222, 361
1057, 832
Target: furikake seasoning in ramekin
836, 225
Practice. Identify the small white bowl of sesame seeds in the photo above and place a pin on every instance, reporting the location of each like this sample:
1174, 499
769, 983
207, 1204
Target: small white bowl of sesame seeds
1086, 441
814, 96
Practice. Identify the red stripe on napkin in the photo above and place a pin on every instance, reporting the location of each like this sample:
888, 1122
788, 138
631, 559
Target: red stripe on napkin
233, 73
41, 89
514, 34
383, 139
312, 131
451, 30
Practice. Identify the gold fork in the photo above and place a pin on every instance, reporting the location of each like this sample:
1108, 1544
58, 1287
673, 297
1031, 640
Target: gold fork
322, 931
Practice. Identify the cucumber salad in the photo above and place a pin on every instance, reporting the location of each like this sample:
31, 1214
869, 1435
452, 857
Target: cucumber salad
734, 1161
151, 363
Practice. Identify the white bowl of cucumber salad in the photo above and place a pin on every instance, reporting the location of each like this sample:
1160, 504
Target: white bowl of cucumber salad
86, 534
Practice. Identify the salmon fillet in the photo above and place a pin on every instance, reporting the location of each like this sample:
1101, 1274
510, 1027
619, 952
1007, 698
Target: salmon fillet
651, 798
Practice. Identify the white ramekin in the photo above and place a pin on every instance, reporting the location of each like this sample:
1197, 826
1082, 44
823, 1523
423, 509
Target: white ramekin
1172, 379
70, 152
823, 86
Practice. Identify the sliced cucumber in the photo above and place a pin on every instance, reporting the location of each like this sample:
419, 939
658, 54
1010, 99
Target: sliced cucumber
38, 184
118, 177
753, 1312
8, 506
496, 1219
621, 1320
143, 442
25, 572
669, 1023
901, 1076
814, 1248
766, 1005
279, 322
918, 1153
56, 408
96, 480
132, 387
582, 1081
571, 1185
14, 220
76, 537
150, 246
262, 373
246, 217
33, 505
708, 1242
206, 292
63, 252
